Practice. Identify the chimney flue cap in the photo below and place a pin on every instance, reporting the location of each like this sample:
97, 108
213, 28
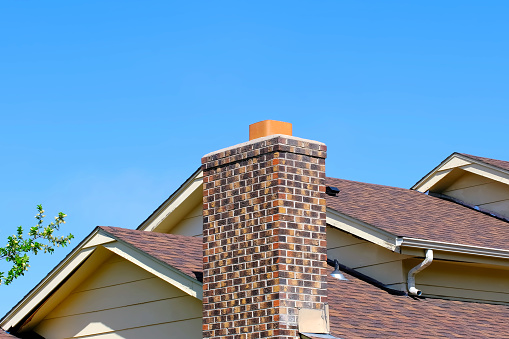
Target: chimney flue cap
269, 127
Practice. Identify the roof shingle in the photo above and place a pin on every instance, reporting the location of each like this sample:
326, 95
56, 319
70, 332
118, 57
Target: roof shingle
181, 252
409, 213
357, 309
360, 310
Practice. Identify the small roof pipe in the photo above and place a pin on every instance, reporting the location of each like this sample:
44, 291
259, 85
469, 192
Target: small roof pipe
411, 275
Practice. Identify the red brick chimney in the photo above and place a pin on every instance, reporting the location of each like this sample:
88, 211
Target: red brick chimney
264, 234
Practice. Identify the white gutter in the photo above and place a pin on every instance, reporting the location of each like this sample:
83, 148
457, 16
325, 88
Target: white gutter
411, 275
450, 247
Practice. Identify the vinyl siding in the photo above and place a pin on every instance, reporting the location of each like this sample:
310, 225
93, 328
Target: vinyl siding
463, 281
365, 257
480, 191
120, 300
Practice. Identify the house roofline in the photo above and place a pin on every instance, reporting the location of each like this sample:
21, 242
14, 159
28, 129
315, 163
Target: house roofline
99, 236
395, 243
461, 156
6, 319
182, 188
453, 247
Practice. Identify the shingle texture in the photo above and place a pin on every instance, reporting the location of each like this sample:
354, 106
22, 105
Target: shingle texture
408, 213
5, 335
360, 310
181, 252
497, 163
357, 309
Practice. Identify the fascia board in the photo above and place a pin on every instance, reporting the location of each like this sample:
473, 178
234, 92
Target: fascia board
486, 171
431, 174
396, 244
53, 279
432, 180
79, 255
362, 230
454, 248
178, 197
471, 165
158, 268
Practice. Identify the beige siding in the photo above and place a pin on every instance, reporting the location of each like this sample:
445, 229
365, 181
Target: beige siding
183, 207
191, 225
365, 257
480, 191
120, 300
462, 281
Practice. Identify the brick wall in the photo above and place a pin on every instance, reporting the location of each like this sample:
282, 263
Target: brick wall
264, 237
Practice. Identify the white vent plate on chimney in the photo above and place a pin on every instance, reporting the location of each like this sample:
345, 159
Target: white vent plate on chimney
314, 321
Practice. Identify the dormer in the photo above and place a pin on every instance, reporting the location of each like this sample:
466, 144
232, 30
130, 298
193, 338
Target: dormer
480, 183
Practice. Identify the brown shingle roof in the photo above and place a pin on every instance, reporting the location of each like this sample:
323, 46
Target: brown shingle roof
181, 252
497, 163
5, 335
409, 213
357, 309
360, 310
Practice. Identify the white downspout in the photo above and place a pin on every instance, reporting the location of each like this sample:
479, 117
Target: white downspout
411, 275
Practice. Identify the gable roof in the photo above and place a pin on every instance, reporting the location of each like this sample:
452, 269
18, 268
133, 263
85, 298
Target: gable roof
357, 309
493, 162
173, 258
408, 213
181, 252
456, 164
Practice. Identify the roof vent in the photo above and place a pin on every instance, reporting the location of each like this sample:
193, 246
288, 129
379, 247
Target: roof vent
332, 191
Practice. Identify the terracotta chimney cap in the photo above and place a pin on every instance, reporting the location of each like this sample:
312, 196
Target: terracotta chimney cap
269, 127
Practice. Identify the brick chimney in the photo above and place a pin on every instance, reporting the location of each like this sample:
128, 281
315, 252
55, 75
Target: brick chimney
264, 234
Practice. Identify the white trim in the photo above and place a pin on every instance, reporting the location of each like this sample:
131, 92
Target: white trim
417, 186
434, 179
58, 274
175, 200
392, 242
362, 230
452, 247
46, 286
487, 172
471, 165
257, 140
99, 238
80, 254
162, 270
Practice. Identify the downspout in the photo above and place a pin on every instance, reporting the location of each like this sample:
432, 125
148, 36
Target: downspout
411, 275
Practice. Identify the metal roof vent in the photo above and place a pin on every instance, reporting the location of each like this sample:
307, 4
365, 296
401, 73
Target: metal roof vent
332, 191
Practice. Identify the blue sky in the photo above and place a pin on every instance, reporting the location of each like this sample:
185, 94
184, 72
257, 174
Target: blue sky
106, 107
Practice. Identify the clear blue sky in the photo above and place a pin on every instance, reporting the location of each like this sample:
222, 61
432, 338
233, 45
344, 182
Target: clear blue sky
107, 106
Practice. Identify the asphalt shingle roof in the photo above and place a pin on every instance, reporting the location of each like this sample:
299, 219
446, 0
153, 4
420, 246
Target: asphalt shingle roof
357, 309
181, 252
409, 213
360, 310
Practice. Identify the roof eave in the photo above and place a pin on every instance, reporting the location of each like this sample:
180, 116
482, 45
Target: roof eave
453, 248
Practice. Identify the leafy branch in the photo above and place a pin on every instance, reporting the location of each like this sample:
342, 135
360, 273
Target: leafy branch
39, 239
